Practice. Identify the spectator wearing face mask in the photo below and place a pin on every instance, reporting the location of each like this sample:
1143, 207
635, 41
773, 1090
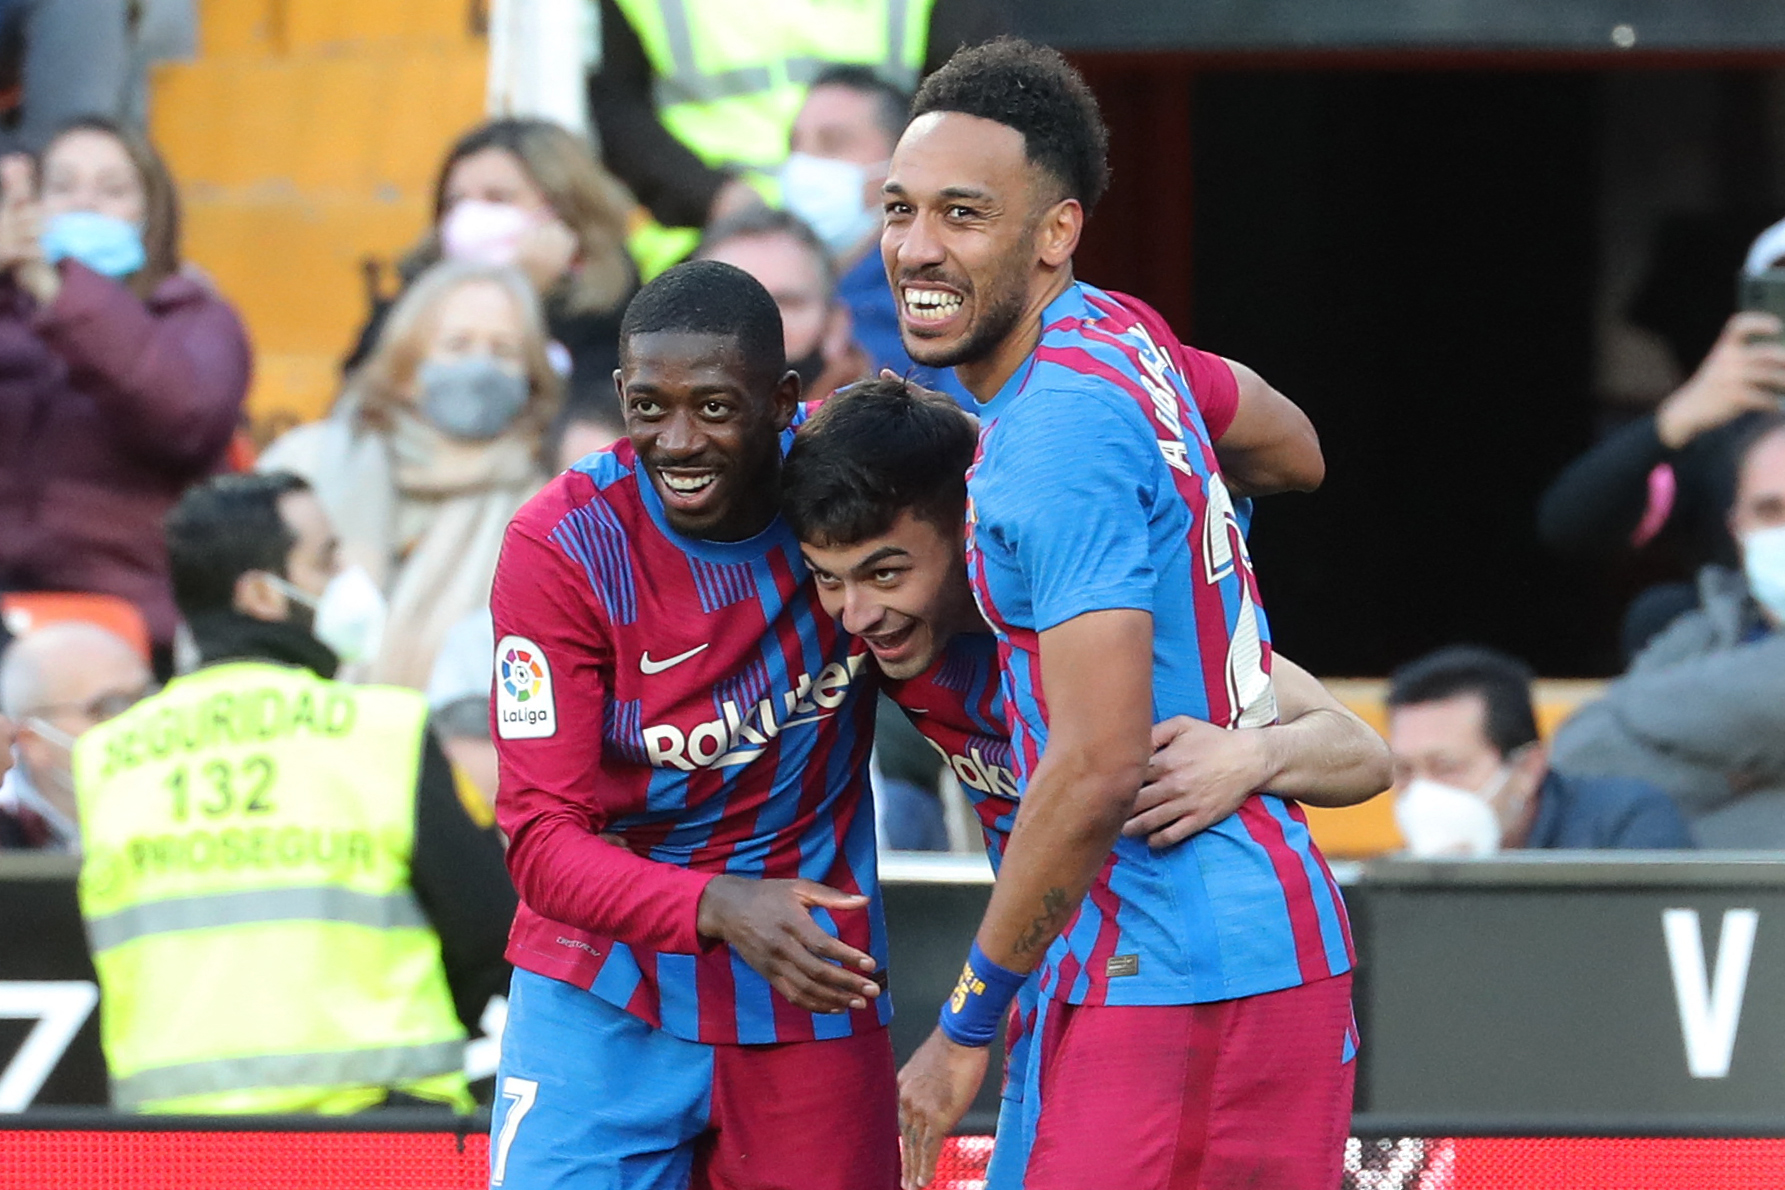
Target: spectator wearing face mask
289, 907
782, 253
435, 443
121, 377
1472, 777
1665, 481
1701, 712
525, 192
57, 683
842, 140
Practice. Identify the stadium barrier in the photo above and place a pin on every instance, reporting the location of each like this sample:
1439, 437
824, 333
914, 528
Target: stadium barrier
418, 1151
1536, 1020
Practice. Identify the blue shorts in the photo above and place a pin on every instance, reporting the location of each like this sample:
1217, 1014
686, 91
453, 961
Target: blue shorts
590, 1097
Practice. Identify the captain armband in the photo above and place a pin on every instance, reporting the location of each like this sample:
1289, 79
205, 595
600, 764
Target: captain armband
971, 1014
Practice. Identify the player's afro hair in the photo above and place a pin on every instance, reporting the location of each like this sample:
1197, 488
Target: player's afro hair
706, 297
1032, 89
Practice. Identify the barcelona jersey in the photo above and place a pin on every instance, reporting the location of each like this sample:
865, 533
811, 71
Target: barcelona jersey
1102, 419
667, 710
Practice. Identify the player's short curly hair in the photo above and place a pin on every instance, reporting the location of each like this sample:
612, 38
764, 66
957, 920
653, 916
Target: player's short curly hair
1032, 89
710, 298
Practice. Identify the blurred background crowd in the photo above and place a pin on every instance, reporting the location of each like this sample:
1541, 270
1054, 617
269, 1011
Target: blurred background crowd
385, 248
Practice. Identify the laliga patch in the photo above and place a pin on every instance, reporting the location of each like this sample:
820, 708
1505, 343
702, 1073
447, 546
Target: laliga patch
525, 709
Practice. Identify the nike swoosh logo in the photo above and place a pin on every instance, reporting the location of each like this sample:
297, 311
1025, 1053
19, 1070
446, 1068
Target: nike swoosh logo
646, 665
818, 718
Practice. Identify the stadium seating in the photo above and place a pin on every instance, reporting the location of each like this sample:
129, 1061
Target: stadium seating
25, 611
305, 138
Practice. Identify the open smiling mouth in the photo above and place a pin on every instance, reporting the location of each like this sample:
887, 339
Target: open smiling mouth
891, 642
686, 488
927, 305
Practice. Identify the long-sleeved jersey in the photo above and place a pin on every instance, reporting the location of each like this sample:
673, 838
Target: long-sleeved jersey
691, 702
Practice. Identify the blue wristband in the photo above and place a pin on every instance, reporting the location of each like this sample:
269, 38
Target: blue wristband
970, 1016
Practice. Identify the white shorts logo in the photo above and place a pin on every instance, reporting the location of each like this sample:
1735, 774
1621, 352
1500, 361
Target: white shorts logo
525, 708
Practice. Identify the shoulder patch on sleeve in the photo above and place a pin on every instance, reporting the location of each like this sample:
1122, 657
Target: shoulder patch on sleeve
525, 707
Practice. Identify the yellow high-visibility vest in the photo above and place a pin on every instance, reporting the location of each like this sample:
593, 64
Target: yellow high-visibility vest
247, 835
731, 75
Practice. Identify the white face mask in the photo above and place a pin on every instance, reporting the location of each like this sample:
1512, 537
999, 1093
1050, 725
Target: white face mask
65, 830
349, 614
827, 194
1763, 561
1443, 822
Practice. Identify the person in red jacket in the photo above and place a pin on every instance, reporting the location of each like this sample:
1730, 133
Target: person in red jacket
121, 375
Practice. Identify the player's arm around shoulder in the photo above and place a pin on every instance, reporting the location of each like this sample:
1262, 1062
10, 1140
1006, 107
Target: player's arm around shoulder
1319, 752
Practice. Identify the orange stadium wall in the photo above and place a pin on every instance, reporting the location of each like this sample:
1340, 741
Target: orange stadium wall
304, 137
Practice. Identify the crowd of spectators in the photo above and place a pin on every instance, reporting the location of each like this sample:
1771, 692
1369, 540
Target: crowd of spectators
123, 374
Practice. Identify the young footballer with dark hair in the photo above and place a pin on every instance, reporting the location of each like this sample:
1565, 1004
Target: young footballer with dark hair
874, 486
1195, 1027
700, 1005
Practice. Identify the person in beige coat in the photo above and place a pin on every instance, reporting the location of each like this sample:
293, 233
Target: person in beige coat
434, 444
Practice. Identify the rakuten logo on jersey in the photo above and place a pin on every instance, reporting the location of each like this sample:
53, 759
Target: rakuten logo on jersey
741, 733
977, 773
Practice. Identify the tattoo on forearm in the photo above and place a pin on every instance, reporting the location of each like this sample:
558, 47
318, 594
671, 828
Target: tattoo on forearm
1055, 909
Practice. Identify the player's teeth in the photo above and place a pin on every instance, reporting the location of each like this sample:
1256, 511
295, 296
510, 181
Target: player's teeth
931, 305
687, 483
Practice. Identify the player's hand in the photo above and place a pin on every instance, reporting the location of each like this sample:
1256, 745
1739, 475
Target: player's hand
770, 923
935, 1089
1198, 775
1744, 371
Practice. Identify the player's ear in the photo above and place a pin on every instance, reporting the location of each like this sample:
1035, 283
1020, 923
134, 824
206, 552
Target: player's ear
1059, 232
786, 399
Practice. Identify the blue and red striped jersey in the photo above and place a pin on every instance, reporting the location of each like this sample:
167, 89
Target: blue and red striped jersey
1103, 421
667, 710
958, 706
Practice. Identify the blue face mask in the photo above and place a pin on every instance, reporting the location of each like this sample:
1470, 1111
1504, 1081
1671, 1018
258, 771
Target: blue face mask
108, 246
1763, 559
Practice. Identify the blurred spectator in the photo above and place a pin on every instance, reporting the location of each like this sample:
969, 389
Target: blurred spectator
60, 60
57, 683
1472, 777
843, 138
459, 690
431, 448
693, 100
121, 377
1702, 711
1667, 478
525, 192
582, 429
780, 251
308, 918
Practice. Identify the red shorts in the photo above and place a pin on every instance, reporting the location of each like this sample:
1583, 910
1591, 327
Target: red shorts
809, 1115
1251, 1093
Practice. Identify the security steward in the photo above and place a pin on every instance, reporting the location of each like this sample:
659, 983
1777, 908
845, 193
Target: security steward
290, 906
693, 99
